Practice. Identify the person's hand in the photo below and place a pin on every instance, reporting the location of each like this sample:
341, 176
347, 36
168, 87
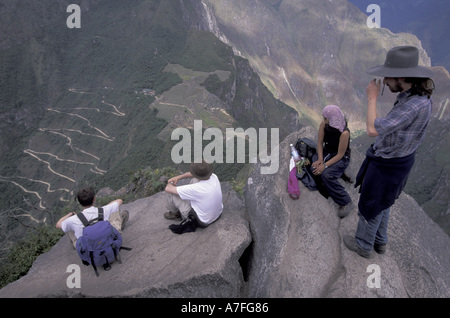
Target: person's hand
316, 164
373, 89
318, 167
173, 180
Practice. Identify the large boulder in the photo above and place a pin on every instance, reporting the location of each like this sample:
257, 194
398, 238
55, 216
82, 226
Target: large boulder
268, 246
161, 264
297, 248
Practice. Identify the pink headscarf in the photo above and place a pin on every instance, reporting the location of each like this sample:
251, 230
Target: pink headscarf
335, 117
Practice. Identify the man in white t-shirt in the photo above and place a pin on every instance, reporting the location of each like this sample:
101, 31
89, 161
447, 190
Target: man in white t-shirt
203, 195
72, 225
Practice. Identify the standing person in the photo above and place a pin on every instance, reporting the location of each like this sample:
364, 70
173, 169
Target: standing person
201, 198
73, 226
333, 156
388, 161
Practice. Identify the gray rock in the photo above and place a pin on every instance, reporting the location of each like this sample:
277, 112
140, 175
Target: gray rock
298, 249
287, 249
160, 264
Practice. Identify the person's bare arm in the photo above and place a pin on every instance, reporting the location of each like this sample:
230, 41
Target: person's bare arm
320, 138
119, 202
373, 90
172, 182
343, 144
61, 220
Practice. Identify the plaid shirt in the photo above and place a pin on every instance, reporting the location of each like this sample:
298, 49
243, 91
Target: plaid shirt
402, 130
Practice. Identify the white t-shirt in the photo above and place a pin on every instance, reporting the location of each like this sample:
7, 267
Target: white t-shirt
205, 197
74, 223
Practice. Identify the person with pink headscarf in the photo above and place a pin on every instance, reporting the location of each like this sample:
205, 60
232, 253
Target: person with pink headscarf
333, 156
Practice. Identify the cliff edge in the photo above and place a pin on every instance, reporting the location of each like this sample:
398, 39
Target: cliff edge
298, 249
265, 245
161, 264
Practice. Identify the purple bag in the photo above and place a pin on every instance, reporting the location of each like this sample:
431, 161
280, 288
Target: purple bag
293, 188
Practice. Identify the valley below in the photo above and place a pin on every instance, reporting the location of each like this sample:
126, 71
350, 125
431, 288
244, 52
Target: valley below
95, 105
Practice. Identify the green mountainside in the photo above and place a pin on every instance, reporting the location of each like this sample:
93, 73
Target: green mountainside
96, 104
313, 53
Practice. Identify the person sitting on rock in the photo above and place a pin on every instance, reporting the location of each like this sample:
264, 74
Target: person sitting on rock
72, 225
201, 198
333, 156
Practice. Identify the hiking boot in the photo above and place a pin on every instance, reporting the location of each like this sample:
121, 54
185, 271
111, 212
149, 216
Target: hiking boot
345, 210
350, 243
173, 215
124, 215
379, 248
346, 177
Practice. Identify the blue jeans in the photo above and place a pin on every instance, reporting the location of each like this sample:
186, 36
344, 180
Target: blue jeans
373, 231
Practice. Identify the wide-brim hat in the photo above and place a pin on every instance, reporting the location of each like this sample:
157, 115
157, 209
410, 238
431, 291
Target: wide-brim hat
401, 61
201, 171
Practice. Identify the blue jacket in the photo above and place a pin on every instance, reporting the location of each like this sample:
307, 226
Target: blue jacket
381, 182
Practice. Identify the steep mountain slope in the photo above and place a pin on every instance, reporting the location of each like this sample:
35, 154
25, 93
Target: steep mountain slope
414, 17
74, 107
309, 53
298, 249
314, 53
263, 246
75, 91
94, 104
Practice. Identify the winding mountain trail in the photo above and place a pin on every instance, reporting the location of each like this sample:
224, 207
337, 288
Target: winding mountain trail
50, 160
69, 140
115, 112
41, 206
102, 134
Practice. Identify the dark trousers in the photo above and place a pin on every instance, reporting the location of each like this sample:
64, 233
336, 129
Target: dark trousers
193, 215
330, 179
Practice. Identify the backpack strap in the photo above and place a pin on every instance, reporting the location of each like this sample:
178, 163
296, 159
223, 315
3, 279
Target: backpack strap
86, 222
91, 255
116, 254
100, 214
83, 219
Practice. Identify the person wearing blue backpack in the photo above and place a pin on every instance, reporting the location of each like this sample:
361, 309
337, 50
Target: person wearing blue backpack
72, 225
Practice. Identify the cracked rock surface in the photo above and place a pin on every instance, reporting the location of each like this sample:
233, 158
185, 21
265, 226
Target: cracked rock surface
265, 245
298, 249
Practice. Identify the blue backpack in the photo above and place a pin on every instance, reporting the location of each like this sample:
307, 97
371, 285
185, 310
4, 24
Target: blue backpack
100, 243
